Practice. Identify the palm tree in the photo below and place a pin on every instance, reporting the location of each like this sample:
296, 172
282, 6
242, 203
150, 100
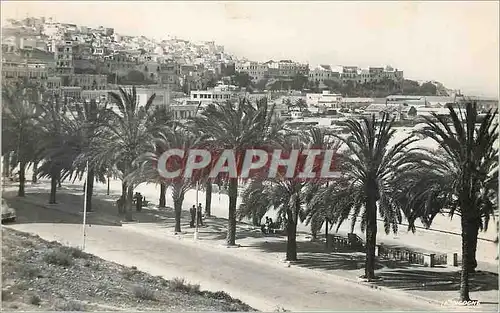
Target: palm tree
466, 175
159, 118
85, 125
317, 138
283, 194
238, 127
370, 168
287, 195
127, 135
19, 112
174, 137
55, 142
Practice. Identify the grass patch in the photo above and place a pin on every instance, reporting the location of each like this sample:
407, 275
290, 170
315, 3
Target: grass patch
59, 256
144, 293
180, 284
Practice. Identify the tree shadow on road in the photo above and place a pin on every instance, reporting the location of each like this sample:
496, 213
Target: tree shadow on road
437, 280
313, 255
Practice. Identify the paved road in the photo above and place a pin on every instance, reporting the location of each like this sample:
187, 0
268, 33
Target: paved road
263, 286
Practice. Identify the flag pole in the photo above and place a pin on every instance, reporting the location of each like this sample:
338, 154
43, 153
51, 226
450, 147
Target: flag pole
85, 206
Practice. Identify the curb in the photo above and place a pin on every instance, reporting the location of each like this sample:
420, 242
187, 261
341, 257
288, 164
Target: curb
49, 207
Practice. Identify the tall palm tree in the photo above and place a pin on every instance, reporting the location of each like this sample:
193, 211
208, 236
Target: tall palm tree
127, 135
466, 174
160, 117
318, 138
85, 125
55, 142
237, 126
21, 106
370, 168
173, 137
287, 195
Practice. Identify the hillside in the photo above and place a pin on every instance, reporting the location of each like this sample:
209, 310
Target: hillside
40, 275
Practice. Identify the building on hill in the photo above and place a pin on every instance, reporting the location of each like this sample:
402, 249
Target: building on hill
34, 71
219, 93
63, 54
322, 73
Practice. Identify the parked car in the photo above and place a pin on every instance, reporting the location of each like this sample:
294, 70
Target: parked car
8, 213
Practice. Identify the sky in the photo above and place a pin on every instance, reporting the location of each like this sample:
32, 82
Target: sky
456, 43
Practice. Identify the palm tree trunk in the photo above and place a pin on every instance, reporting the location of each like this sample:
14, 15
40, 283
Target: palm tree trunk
472, 235
314, 228
163, 192
90, 188
178, 212
291, 231
464, 277
255, 218
6, 165
208, 199
107, 192
34, 177
123, 198
233, 196
53, 186
371, 234
22, 178
128, 203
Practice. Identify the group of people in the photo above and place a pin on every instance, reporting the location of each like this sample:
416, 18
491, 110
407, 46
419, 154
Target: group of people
196, 211
139, 200
270, 226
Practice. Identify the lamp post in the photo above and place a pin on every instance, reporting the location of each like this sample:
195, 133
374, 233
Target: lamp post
196, 212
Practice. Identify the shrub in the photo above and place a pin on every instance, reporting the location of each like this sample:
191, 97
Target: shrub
128, 273
179, 284
34, 299
144, 293
29, 271
58, 256
70, 306
76, 252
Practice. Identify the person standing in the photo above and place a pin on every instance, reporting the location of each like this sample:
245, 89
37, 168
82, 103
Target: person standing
138, 201
200, 219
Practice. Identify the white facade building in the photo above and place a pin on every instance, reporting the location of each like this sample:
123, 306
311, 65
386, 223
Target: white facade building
325, 99
220, 93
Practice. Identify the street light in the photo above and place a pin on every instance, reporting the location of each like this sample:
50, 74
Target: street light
196, 212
